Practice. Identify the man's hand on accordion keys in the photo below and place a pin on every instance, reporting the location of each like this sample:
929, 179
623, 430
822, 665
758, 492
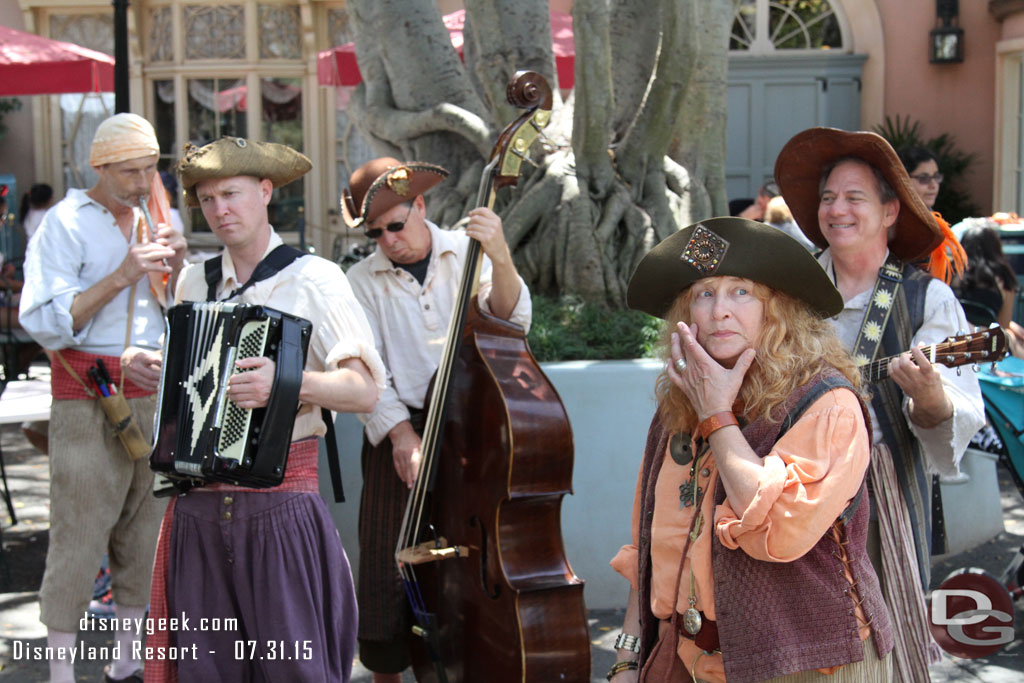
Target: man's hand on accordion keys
251, 389
142, 367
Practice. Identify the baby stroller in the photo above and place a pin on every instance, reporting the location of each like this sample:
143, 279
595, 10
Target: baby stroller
1002, 388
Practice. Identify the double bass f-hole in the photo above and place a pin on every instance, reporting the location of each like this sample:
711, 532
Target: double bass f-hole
475, 522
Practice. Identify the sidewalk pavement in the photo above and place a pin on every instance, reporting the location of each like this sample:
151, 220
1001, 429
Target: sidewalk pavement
22, 562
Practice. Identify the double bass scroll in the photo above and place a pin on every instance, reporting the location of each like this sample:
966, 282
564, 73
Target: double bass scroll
480, 551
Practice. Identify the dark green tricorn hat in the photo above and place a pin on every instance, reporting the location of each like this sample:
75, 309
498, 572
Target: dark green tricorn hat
736, 247
230, 157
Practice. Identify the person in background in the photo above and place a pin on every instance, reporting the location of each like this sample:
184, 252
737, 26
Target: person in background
749, 555
778, 215
170, 182
765, 193
923, 168
988, 287
34, 205
87, 297
408, 287
948, 260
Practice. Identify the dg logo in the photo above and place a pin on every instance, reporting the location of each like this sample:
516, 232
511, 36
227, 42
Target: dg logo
971, 615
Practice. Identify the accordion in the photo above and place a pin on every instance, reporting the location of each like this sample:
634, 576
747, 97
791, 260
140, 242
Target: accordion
200, 435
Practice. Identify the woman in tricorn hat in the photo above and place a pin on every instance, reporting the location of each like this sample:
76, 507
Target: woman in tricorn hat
749, 558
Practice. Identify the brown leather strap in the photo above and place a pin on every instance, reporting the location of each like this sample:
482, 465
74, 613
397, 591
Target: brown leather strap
706, 638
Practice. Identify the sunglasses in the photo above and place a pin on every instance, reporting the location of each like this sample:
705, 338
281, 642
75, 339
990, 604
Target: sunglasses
374, 233
924, 178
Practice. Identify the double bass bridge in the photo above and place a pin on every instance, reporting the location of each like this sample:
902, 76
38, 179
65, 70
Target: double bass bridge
432, 551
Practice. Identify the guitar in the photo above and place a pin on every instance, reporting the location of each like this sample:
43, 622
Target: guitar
978, 347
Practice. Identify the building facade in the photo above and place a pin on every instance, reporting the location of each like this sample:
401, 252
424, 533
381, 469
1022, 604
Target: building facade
199, 70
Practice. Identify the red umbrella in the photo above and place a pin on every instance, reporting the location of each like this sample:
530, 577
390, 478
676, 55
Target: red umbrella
35, 65
338, 65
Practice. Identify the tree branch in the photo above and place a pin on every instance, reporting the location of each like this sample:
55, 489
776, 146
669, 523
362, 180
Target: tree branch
502, 37
593, 96
699, 133
397, 126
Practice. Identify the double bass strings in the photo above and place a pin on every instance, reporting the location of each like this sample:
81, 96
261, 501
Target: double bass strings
412, 522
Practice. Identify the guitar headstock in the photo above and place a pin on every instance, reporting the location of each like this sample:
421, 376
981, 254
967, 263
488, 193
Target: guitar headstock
978, 347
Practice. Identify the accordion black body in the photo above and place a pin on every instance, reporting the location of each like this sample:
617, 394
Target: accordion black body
201, 435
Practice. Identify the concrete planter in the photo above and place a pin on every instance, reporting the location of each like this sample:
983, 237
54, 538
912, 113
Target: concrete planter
610, 405
971, 502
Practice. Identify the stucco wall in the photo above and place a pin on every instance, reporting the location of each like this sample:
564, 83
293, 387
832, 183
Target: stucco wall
958, 99
16, 150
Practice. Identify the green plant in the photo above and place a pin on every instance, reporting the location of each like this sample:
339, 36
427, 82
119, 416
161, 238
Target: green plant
568, 328
953, 201
6, 107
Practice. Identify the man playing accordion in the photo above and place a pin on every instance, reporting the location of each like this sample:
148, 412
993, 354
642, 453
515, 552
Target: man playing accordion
228, 552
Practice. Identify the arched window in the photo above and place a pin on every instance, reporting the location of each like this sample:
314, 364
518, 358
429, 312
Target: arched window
768, 26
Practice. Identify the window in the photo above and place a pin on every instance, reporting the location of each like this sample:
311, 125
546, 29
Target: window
765, 26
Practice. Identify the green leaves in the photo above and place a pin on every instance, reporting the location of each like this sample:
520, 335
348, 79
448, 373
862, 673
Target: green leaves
567, 328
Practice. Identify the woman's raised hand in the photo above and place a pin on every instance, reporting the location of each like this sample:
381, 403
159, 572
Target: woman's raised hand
711, 387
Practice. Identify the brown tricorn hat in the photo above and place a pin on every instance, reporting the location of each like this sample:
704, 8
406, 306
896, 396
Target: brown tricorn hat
230, 157
384, 183
730, 246
803, 160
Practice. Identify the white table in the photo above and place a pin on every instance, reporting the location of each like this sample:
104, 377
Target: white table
22, 401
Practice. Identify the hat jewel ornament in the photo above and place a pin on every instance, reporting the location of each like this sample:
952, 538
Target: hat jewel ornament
705, 250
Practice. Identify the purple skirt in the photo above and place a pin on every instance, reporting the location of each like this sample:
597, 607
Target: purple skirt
261, 588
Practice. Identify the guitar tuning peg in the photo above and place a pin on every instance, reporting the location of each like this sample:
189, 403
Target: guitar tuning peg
959, 333
976, 367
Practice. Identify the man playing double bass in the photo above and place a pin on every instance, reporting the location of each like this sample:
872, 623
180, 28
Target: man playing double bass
408, 287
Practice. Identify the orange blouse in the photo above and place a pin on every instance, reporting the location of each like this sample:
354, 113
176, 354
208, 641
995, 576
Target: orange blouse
809, 477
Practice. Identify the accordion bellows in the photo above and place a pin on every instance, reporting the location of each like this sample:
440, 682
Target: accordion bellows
200, 434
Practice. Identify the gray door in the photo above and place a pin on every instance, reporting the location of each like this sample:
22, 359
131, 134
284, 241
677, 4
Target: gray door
772, 98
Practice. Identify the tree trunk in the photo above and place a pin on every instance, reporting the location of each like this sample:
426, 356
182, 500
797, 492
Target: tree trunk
636, 152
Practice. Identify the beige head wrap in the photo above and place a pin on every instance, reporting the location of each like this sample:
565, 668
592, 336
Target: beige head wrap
123, 137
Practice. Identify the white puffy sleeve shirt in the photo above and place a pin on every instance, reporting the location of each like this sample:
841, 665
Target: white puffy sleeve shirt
944, 444
410, 321
78, 244
312, 288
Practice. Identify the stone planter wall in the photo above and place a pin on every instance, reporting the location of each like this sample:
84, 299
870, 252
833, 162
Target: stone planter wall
610, 404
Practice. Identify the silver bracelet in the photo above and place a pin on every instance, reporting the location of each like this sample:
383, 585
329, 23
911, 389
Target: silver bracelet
627, 642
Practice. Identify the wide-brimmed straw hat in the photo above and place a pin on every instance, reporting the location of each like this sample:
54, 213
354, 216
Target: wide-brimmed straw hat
801, 163
730, 246
230, 157
384, 183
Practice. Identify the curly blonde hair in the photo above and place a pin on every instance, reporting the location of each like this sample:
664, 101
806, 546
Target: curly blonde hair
794, 345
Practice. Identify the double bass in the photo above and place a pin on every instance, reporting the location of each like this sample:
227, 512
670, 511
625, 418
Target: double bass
480, 550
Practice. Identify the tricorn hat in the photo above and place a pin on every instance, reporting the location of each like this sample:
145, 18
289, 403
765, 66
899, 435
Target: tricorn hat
730, 246
230, 157
384, 183
803, 160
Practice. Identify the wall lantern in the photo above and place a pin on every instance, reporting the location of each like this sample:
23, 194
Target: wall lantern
946, 40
